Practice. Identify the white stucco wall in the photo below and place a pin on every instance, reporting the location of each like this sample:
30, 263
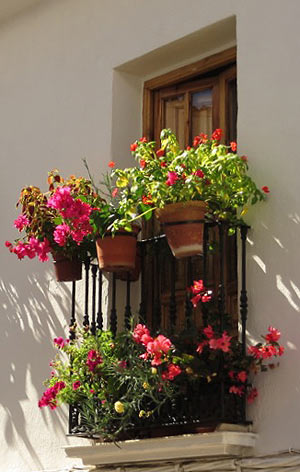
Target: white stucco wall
71, 76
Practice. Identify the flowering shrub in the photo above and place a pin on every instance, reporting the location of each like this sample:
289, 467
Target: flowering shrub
57, 221
123, 383
208, 171
114, 381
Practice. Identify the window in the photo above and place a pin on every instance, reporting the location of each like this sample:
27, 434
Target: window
196, 98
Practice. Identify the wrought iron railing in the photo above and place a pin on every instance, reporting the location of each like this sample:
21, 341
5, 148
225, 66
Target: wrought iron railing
160, 305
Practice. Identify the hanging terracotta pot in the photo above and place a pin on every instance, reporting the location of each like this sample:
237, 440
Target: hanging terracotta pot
66, 270
183, 225
133, 273
117, 253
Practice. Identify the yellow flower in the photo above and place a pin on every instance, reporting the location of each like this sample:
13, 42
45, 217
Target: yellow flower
119, 407
146, 385
142, 413
153, 370
189, 370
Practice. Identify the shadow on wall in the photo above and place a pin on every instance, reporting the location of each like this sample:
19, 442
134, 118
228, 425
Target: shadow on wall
33, 312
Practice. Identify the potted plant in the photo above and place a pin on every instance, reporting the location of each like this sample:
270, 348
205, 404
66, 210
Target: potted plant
56, 222
135, 384
208, 180
115, 219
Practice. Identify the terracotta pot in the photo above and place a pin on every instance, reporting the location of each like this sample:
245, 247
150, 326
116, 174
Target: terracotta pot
134, 273
66, 270
117, 253
183, 225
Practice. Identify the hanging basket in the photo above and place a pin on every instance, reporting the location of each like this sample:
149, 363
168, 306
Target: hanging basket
117, 253
183, 225
66, 270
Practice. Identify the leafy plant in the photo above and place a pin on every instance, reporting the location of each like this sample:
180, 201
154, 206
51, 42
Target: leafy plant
208, 171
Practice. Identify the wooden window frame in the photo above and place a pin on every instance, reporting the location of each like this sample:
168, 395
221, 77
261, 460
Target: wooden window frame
182, 74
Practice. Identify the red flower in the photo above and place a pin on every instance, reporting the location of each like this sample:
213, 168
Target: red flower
163, 164
76, 384
244, 158
217, 134
172, 177
209, 332
147, 200
143, 139
200, 139
173, 371
265, 189
160, 152
114, 192
199, 173
273, 336
188, 148
242, 376
111, 164
252, 395
237, 390
143, 163
133, 146
233, 146
8, 244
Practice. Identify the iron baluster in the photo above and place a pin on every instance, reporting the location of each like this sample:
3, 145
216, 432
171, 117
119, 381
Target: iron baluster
100, 314
243, 296
127, 315
86, 320
204, 268
113, 311
172, 304
188, 303
72, 326
94, 278
142, 310
156, 284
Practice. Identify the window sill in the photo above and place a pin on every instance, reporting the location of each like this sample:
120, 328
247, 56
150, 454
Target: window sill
226, 441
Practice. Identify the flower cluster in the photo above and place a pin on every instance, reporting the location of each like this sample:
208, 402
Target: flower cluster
214, 341
57, 221
49, 396
201, 293
207, 171
157, 350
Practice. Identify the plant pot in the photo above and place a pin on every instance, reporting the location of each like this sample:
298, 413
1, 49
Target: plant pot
117, 253
134, 273
183, 225
66, 270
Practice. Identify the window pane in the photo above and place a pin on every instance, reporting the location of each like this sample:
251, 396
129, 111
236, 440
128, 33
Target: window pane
201, 112
232, 110
174, 116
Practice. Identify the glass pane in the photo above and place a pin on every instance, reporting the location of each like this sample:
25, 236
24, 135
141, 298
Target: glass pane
232, 110
201, 112
174, 116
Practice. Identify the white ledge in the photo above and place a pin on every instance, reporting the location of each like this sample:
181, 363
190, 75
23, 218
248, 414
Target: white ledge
184, 447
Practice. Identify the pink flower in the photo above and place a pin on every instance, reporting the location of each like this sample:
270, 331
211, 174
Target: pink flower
252, 395
114, 192
242, 376
43, 249
273, 336
61, 342
280, 351
201, 346
76, 385
21, 221
237, 390
209, 332
224, 342
172, 178
93, 359
8, 244
200, 293
122, 364
61, 233
139, 331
